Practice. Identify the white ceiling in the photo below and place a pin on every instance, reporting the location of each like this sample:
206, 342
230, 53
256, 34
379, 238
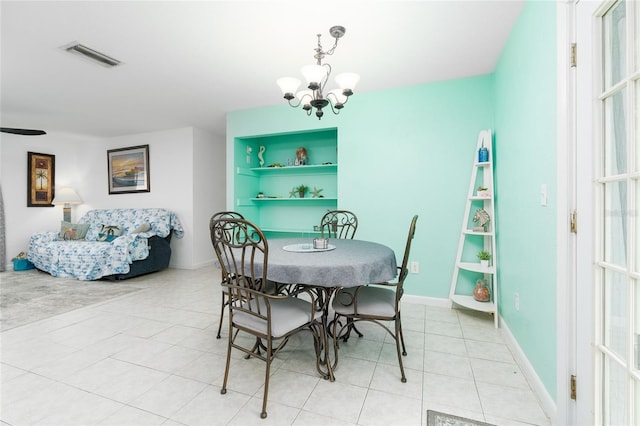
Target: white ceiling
189, 63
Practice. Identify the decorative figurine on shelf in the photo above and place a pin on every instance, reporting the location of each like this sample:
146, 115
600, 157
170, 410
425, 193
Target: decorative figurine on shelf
316, 193
483, 155
261, 154
481, 292
483, 192
301, 156
482, 218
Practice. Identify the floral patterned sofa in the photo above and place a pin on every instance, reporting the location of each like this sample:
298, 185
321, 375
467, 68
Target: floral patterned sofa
138, 243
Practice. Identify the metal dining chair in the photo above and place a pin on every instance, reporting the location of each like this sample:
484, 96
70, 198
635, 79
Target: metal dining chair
376, 303
339, 224
243, 253
225, 298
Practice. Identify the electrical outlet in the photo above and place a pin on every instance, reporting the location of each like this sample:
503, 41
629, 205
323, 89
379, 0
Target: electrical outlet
414, 267
543, 195
517, 301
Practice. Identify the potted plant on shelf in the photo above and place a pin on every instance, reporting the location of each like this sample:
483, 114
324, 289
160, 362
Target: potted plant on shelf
301, 190
484, 257
483, 192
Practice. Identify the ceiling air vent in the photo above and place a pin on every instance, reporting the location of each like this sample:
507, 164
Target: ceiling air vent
91, 54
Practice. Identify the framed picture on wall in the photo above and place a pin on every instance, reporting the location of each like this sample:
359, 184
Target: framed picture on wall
41, 173
128, 170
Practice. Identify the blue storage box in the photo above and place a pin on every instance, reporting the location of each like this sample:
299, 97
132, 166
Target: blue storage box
22, 265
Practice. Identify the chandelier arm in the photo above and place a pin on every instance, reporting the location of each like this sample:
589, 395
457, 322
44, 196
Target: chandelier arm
294, 105
336, 112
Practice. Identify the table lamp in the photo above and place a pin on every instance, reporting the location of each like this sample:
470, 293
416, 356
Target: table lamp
66, 196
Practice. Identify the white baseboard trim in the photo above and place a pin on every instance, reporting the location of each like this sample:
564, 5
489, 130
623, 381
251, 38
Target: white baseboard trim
428, 301
548, 404
191, 267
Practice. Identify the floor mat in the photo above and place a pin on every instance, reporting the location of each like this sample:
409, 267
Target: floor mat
32, 295
435, 418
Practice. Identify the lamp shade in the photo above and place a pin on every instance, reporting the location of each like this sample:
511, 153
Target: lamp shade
66, 196
314, 74
347, 80
288, 85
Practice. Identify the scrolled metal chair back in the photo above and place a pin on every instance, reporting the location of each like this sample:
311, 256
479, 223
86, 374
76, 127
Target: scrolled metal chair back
222, 215
341, 224
242, 252
404, 268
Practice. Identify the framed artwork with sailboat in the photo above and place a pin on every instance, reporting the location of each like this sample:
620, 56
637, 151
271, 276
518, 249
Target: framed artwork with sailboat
128, 170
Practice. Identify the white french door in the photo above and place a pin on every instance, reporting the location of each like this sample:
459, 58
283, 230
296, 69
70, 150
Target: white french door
608, 188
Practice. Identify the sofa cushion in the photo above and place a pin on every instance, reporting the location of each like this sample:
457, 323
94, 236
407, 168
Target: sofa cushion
109, 233
142, 228
73, 231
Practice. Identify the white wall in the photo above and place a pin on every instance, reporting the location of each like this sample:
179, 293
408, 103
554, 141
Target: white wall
208, 190
170, 167
71, 170
178, 165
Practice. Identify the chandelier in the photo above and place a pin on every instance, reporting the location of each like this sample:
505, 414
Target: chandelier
317, 76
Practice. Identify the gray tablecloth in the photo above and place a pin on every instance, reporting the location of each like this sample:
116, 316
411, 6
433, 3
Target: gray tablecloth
351, 263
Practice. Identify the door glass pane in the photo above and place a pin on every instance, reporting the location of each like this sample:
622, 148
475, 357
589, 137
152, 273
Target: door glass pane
614, 312
615, 223
637, 141
637, 42
614, 43
636, 330
615, 412
637, 404
615, 138
636, 214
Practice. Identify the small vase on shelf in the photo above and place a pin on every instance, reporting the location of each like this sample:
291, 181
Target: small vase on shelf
481, 292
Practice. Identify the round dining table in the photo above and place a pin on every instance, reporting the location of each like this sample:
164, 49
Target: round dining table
343, 263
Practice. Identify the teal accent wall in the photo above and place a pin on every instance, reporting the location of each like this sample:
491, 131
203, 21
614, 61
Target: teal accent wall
401, 152
526, 141
410, 151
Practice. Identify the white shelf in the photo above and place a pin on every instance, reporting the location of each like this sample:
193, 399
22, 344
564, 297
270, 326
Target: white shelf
476, 267
481, 175
471, 303
481, 233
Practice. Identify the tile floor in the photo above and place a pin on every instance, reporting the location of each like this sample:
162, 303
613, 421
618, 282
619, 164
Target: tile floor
151, 358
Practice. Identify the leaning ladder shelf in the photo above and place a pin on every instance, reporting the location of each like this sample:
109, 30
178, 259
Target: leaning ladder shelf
467, 266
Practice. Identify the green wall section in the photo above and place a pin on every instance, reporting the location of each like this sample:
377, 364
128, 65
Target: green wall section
400, 152
525, 140
410, 151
